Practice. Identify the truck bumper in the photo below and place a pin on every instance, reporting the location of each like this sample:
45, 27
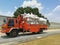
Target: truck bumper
3, 31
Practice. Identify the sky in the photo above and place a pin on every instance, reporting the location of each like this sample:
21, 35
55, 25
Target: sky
48, 8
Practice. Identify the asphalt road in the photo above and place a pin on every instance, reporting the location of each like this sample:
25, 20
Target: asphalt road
25, 37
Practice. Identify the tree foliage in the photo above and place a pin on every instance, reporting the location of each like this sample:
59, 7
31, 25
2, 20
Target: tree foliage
20, 10
48, 23
30, 10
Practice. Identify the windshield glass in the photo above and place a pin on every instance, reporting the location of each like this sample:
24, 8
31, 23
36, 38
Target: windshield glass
11, 22
4, 21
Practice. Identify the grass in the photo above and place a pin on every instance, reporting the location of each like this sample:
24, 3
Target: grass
53, 28
50, 40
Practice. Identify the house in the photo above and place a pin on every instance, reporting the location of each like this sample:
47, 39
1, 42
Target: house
2, 18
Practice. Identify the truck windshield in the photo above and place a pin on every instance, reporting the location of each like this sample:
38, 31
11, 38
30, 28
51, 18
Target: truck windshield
11, 22
4, 21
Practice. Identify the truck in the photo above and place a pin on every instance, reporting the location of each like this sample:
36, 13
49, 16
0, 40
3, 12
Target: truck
13, 26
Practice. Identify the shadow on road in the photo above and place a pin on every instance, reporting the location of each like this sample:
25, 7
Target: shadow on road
25, 34
28, 34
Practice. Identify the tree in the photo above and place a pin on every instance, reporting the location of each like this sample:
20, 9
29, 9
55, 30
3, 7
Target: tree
35, 11
48, 23
19, 11
30, 10
39, 15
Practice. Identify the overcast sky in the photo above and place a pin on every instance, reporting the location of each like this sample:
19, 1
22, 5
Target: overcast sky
49, 8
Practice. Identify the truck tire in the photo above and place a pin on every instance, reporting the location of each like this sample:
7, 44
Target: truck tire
33, 33
7, 34
40, 31
13, 33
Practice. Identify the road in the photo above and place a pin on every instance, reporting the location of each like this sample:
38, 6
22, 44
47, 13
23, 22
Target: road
25, 37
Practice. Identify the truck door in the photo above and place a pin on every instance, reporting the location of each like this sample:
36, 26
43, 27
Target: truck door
11, 22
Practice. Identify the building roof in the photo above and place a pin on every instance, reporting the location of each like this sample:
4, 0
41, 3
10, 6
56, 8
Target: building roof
4, 16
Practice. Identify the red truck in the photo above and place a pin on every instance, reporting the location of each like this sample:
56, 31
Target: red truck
14, 26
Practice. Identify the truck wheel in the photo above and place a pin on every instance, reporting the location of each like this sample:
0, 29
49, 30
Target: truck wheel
7, 34
13, 33
33, 33
40, 31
